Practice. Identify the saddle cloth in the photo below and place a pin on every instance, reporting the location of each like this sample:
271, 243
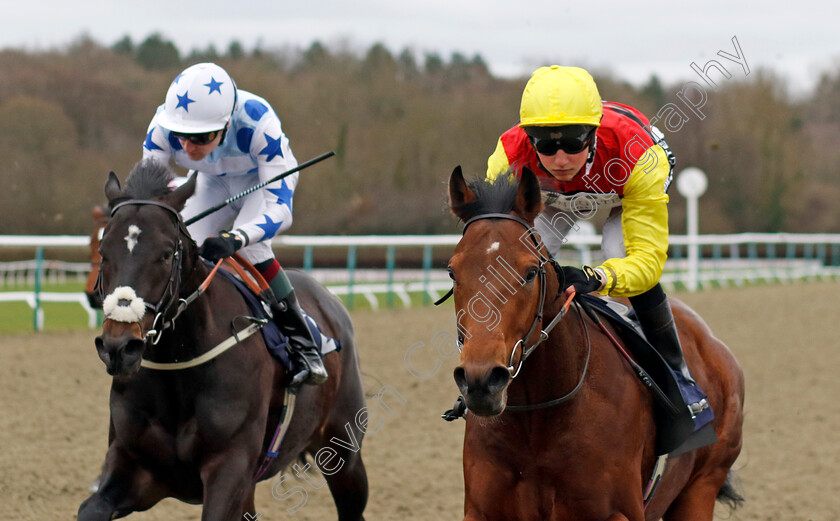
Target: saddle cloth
686, 431
275, 340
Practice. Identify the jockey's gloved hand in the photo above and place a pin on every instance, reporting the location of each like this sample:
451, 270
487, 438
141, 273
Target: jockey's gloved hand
584, 280
215, 248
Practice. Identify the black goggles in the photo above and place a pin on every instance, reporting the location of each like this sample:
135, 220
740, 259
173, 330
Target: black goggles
198, 139
568, 144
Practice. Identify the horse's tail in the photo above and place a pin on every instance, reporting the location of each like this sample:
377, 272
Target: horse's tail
730, 494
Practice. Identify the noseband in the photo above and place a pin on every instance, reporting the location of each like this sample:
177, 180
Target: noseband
538, 317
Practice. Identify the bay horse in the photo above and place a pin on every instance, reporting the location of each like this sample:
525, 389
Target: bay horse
569, 433
200, 434
100, 220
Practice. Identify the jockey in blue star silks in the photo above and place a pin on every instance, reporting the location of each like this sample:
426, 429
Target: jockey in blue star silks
234, 141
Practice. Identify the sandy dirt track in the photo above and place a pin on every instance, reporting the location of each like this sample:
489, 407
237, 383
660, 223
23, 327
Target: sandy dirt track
53, 415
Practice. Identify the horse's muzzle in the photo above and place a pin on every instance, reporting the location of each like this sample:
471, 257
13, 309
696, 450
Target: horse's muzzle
483, 389
121, 350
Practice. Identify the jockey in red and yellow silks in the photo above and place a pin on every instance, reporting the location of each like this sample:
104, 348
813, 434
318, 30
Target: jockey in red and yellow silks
589, 154
626, 163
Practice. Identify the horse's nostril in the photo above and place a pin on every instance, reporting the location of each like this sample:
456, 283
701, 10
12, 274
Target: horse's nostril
99, 342
120, 354
106, 353
497, 380
460, 378
134, 346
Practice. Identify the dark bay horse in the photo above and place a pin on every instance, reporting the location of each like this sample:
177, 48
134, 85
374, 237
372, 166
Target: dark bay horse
200, 434
571, 436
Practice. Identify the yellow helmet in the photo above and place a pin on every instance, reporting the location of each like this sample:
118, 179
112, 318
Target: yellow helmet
556, 96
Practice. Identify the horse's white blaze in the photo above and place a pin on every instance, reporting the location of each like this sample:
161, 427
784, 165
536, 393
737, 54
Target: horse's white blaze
131, 238
123, 305
493, 247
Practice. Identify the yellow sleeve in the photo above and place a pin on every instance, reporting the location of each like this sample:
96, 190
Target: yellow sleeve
644, 222
497, 163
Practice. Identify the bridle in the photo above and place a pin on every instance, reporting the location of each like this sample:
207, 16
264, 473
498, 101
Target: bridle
522, 343
168, 300
544, 258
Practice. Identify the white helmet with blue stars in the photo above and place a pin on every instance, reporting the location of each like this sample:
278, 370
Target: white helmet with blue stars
200, 99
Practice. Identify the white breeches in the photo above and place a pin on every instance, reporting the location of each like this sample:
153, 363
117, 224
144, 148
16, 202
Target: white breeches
554, 225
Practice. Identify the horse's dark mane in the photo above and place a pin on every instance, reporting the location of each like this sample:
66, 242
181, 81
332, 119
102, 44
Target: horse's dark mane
148, 179
495, 196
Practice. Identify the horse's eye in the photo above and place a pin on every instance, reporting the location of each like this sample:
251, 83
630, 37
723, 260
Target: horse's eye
167, 255
531, 274
451, 273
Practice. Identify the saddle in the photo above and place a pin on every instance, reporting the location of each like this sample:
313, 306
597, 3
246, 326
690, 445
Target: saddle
260, 309
677, 432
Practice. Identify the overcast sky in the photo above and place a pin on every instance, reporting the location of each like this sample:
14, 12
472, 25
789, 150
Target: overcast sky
632, 39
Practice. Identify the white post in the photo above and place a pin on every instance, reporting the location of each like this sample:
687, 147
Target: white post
692, 183
584, 229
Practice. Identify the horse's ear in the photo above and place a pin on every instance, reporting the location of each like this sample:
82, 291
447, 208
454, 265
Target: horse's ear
528, 200
112, 187
98, 212
460, 194
176, 198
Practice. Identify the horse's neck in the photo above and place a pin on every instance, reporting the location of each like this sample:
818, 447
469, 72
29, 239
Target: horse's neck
208, 303
185, 340
557, 365
192, 278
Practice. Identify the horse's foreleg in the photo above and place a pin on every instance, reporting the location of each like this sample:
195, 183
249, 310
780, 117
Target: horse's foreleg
228, 487
349, 488
96, 508
124, 488
484, 486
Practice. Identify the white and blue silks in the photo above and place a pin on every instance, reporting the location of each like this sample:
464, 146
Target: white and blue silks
253, 151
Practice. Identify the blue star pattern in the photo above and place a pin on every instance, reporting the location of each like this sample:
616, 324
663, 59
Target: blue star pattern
255, 109
243, 139
273, 148
149, 144
174, 144
269, 227
178, 78
214, 86
284, 193
184, 101
255, 142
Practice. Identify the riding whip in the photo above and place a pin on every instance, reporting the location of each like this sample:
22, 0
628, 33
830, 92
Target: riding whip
287, 173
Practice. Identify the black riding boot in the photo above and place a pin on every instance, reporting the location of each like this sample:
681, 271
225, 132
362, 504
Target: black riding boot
306, 358
309, 368
657, 321
658, 325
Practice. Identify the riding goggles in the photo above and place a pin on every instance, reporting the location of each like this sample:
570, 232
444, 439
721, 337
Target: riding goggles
198, 139
572, 141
